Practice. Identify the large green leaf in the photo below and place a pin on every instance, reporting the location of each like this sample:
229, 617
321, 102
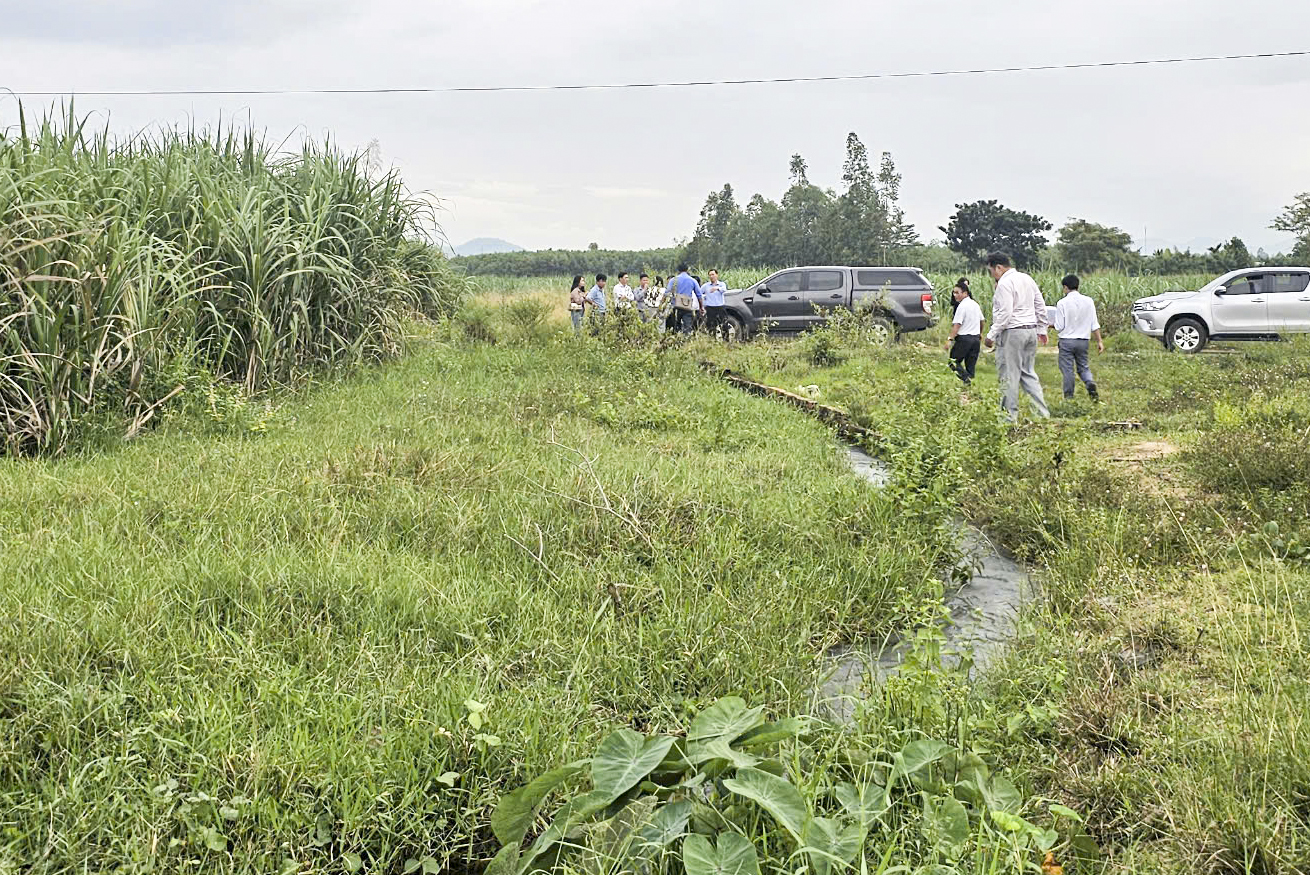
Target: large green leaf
515, 810
624, 759
867, 803
668, 824
918, 755
728, 718
964, 766
504, 863
734, 855
778, 796
1009, 822
720, 749
612, 841
771, 733
1003, 796
831, 846
945, 825
573, 812
675, 762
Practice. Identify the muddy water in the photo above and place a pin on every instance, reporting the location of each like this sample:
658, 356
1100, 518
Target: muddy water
982, 615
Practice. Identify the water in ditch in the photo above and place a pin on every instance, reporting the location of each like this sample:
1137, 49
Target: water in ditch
982, 614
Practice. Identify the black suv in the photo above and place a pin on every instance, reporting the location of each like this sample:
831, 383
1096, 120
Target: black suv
798, 298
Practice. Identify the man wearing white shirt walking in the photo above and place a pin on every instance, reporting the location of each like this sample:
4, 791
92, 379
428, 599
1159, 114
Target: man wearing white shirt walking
1074, 319
1018, 324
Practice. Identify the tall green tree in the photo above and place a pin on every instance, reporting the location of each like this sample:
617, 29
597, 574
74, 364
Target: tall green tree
717, 219
985, 226
1230, 256
759, 237
866, 223
1087, 246
899, 231
805, 207
1296, 220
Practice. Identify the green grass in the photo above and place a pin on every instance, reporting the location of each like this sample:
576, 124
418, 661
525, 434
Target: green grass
258, 649
1179, 543
270, 639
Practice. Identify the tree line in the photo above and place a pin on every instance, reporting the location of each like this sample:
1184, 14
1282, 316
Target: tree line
862, 223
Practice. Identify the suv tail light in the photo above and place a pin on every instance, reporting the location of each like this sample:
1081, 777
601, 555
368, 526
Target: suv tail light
927, 300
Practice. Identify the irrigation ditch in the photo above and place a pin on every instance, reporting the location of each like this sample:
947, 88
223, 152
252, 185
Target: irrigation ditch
980, 614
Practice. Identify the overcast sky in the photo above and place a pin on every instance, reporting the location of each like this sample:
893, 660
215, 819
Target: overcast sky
1190, 154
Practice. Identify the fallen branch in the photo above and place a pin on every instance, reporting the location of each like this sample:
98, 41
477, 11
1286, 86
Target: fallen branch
838, 419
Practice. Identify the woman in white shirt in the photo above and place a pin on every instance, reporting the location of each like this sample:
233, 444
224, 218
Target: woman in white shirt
965, 340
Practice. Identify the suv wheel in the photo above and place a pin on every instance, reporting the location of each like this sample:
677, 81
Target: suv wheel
882, 331
735, 330
1186, 335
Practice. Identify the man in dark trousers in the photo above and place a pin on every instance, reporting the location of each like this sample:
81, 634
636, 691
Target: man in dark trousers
1075, 321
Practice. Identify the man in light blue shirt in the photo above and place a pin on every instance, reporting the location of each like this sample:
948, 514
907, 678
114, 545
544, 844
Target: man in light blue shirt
687, 299
596, 297
716, 318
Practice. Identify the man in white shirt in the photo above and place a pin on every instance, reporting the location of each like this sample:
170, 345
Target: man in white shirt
624, 299
1018, 323
716, 319
1074, 318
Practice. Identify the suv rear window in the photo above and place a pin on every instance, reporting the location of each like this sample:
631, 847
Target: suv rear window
823, 280
872, 279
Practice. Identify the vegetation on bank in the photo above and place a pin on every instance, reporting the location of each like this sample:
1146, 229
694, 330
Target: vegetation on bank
183, 263
1166, 662
340, 632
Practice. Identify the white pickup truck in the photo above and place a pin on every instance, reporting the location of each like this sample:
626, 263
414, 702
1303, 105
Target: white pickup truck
1261, 303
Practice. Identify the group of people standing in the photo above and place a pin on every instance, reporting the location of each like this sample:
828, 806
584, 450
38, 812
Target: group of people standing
1020, 319
681, 305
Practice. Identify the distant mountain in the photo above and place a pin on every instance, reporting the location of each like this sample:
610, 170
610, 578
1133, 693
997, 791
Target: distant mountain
485, 245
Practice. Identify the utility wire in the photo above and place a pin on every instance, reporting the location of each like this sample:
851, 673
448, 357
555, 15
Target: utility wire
242, 92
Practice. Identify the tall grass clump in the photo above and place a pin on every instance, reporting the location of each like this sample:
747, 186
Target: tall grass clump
128, 266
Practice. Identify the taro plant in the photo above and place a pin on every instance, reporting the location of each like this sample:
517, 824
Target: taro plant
737, 788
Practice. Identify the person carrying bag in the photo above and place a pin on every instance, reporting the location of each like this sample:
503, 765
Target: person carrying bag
577, 302
687, 300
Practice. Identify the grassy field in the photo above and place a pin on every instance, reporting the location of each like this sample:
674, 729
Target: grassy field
329, 634
273, 639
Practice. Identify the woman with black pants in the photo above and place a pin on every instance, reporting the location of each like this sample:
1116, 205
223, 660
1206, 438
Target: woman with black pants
967, 324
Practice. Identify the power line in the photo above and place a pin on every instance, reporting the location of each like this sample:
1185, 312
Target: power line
855, 77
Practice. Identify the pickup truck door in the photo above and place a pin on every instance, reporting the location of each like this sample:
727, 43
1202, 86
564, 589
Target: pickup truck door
1242, 308
778, 302
824, 290
1288, 295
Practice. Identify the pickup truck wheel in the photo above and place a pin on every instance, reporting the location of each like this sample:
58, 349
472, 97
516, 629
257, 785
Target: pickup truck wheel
882, 331
1186, 335
736, 330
